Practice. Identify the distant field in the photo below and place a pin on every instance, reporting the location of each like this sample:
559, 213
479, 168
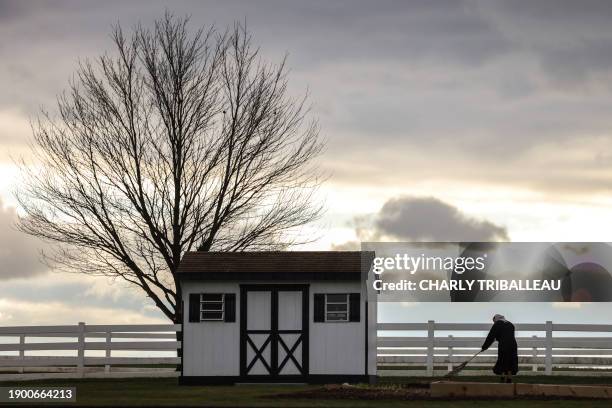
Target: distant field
167, 392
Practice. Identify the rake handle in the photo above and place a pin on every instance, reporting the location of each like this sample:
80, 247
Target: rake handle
471, 358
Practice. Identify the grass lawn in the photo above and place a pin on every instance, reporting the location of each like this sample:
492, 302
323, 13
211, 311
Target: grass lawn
167, 392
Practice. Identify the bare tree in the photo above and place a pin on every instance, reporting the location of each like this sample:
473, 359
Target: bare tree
178, 141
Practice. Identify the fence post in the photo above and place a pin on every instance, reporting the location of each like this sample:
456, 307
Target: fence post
21, 351
549, 346
450, 352
107, 351
81, 350
534, 353
430, 347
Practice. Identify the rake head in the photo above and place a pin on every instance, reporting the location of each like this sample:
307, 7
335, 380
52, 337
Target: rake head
456, 370
460, 367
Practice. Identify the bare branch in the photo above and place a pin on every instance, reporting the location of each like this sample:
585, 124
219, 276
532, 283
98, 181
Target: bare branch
176, 141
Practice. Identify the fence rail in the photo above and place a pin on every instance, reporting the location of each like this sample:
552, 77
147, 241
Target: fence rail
76, 340
587, 351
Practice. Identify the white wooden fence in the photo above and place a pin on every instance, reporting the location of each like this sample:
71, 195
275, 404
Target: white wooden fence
404, 349
549, 348
103, 341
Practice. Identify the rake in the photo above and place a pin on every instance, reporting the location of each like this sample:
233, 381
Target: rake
460, 367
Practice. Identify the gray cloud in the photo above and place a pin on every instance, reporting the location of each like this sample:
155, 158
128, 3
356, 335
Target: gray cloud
579, 63
487, 82
19, 253
60, 298
421, 219
78, 291
429, 219
316, 34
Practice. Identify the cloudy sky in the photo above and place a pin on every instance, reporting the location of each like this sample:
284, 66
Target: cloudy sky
445, 120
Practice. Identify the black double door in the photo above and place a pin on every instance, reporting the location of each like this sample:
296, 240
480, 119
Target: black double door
274, 332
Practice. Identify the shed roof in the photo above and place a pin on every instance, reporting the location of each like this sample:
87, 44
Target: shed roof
274, 265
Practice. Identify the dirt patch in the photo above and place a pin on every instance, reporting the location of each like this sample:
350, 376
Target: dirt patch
400, 392
392, 392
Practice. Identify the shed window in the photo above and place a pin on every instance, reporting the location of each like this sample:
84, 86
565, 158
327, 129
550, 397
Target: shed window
336, 307
212, 306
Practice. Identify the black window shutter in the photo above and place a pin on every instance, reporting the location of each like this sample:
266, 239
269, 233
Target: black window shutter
194, 307
354, 307
230, 307
319, 307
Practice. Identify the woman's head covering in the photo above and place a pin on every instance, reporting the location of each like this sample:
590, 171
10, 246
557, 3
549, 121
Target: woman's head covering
498, 317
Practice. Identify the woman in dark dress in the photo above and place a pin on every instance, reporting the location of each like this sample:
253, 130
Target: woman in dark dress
507, 354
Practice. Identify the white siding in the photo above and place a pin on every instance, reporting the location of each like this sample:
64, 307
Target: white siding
337, 348
372, 326
372, 335
211, 348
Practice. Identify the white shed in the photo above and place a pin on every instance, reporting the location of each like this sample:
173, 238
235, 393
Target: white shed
277, 317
